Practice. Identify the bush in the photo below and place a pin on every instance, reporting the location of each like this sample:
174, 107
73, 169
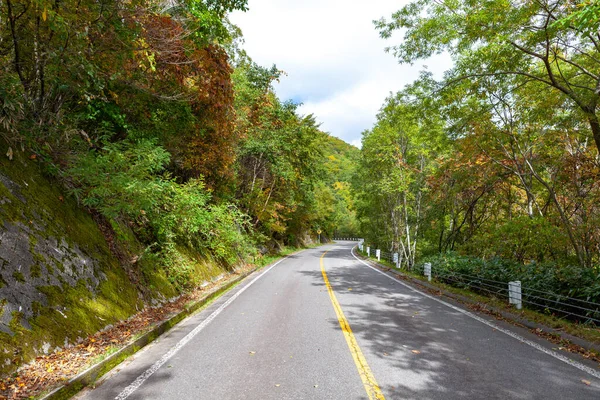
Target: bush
522, 239
129, 180
572, 281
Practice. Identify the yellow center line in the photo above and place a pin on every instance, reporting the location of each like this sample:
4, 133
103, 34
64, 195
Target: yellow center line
369, 382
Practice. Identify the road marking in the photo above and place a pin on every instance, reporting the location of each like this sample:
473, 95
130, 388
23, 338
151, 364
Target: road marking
512, 334
143, 377
369, 382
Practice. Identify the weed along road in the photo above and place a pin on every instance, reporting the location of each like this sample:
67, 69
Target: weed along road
322, 324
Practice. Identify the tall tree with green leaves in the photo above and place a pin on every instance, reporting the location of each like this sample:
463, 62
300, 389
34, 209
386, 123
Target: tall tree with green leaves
552, 42
398, 155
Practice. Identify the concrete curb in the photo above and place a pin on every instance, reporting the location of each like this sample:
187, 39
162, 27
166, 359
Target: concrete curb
505, 314
93, 373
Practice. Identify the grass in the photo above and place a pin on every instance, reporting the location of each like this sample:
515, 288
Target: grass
101, 357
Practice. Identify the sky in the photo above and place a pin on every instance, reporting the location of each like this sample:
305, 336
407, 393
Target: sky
333, 56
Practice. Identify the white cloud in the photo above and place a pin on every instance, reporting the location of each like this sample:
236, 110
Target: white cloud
356, 143
333, 56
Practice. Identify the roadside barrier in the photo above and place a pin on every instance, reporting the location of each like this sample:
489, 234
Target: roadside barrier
513, 292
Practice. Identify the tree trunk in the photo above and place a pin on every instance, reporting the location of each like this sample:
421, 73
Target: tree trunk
595, 126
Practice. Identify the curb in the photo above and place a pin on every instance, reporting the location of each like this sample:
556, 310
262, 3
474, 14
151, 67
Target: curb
90, 375
512, 317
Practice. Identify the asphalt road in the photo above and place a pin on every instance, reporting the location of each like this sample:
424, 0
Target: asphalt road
278, 336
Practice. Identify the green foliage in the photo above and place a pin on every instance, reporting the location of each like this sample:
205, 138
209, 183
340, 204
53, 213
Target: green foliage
187, 165
398, 155
572, 281
209, 18
499, 154
290, 174
123, 179
128, 180
522, 239
550, 43
136, 107
585, 17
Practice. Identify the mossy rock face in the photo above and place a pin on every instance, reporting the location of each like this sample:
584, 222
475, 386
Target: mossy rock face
58, 278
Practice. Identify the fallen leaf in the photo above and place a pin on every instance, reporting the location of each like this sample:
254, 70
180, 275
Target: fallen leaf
586, 382
277, 385
416, 351
349, 288
252, 353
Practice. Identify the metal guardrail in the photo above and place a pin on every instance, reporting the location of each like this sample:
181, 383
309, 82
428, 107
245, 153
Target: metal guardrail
514, 292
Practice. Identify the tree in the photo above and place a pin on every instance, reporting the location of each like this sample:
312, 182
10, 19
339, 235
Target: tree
397, 156
535, 41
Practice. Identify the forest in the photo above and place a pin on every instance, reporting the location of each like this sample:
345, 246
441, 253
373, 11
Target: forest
144, 156
494, 169
151, 115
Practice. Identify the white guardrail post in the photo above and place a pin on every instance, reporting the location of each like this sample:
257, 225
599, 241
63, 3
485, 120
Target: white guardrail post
514, 294
395, 259
427, 271
378, 254
368, 251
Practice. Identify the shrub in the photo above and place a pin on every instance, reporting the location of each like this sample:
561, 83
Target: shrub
572, 281
129, 180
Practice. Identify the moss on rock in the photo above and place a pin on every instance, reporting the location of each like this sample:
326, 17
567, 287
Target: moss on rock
60, 279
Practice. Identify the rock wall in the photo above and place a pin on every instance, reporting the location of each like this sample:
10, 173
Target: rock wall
58, 279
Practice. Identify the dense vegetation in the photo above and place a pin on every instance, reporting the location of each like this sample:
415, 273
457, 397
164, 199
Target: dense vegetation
493, 170
150, 114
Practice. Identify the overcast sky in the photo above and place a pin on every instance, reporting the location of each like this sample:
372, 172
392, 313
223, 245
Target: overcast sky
334, 59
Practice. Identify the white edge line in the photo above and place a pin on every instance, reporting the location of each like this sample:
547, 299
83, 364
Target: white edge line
143, 377
512, 334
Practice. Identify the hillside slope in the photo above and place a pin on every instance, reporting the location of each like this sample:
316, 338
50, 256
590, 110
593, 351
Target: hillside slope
60, 278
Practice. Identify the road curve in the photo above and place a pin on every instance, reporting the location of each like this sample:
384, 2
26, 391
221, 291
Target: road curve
284, 334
